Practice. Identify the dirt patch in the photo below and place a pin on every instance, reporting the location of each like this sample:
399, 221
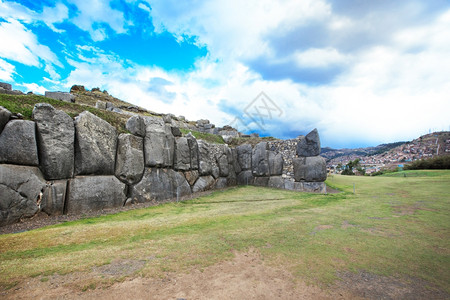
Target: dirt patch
371, 286
244, 277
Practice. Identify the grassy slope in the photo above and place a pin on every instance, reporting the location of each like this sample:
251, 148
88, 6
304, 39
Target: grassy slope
391, 226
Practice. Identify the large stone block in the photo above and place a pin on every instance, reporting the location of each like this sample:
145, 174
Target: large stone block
5, 115
275, 163
95, 147
260, 160
315, 187
90, 193
276, 182
159, 143
204, 183
160, 184
63, 96
309, 145
244, 155
53, 198
236, 166
310, 169
56, 139
193, 151
135, 125
245, 178
130, 158
182, 154
221, 183
20, 191
222, 163
18, 143
261, 181
191, 176
205, 167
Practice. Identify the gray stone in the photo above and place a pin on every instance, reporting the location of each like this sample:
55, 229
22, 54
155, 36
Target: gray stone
310, 168
245, 178
130, 158
315, 187
63, 96
6, 86
244, 155
20, 191
136, 126
56, 138
160, 184
289, 184
54, 197
182, 156
221, 183
205, 167
109, 106
5, 115
275, 163
159, 143
176, 131
236, 166
90, 193
260, 160
193, 151
261, 181
203, 183
167, 119
95, 147
222, 163
276, 182
215, 172
191, 176
309, 145
18, 143
100, 104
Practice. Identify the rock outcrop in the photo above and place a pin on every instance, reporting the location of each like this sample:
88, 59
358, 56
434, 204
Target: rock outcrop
18, 143
309, 145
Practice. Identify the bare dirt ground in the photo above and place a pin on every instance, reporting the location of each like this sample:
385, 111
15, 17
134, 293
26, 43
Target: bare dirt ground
244, 277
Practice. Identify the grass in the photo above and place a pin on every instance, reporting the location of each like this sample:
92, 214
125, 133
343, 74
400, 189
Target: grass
208, 137
394, 226
24, 104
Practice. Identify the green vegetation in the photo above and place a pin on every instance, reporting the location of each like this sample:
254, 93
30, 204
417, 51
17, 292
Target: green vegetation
250, 140
24, 104
435, 163
393, 226
348, 168
208, 137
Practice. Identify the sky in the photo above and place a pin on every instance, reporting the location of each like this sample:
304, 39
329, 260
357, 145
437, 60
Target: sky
362, 72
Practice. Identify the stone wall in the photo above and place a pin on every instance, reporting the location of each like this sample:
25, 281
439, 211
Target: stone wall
58, 165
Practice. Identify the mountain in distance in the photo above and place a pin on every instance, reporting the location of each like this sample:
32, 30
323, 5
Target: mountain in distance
330, 153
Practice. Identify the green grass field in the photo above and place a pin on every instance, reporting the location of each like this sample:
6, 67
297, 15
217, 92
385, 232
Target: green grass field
393, 226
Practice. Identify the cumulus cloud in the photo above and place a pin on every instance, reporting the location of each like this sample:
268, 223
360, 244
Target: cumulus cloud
6, 70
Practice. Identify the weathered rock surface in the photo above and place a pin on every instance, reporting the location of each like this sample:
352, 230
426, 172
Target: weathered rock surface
236, 166
222, 163
215, 172
191, 176
314, 187
244, 155
63, 96
275, 163
260, 160
130, 158
221, 183
56, 137
160, 184
205, 167
18, 143
6, 86
261, 181
136, 126
159, 143
276, 182
245, 178
95, 147
182, 154
89, 193
53, 198
203, 183
309, 145
20, 192
310, 168
5, 115
193, 151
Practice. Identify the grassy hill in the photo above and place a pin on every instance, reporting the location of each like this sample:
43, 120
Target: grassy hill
393, 229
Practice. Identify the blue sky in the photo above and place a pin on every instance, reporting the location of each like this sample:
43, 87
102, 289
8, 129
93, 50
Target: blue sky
361, 72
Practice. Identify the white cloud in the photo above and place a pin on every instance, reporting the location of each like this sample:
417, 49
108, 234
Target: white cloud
33, 87
6, 70
93, 15
319, 58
